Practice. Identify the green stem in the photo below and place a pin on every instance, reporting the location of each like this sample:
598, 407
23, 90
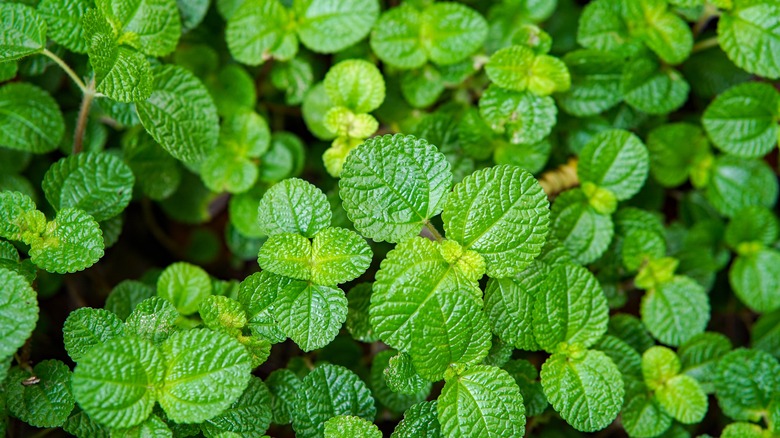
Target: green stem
67, 69
81, 122
705, 44
436, 234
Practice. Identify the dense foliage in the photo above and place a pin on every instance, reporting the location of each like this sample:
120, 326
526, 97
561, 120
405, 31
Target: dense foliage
354, 218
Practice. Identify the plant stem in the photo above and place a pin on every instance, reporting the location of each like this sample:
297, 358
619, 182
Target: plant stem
434, 232
67, 69
557, 180
81, 123
705, 44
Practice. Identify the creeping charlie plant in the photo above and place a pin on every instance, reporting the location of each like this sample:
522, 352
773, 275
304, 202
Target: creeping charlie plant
406, 218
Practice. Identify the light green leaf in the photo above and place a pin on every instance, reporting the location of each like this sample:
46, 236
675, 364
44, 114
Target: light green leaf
570, 308
482, 401
180, 115
392, 185
422, 87
327, 26
664, 32
80, 425
347, 426
358, 325
750, 36
381, 371
153, 319
327, 392
311, 315
205, 373
259, 30
670, 164
509, 306
221, 313
283, 385
126, 295
653, 90
615, 160
98, 183
71, 242
401, 377
18, 311
24, 31
151, 427
420, 421
151, 26
502, 214
63, 20
86, 327
583, 231
232, 88
185, 286
295, 78
157, 173
746, 381
249, 415
226, 171
736, 183
683, 398
742, 430
355, 84
642, 416
523, 117
756, 224
450, 32
587, 391
293, 206
755, 279
659, 365
31, 119
412, 275
743, 120
595, 82
641, 246
396, 38
48, 402
316, 104
19, 219
602, 27
519, 68
114, 382
338, 256
257, 293
675, 311
122, 74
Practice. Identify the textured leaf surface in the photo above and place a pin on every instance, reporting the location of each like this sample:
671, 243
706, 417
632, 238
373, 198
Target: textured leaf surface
63, 20
221, 313
602, 27
750, 36
100, 184
180, 114
358, 325
257, 30
614, 160
743, 120
396, 38
683, 398
185, 286
583, 231
122, 74
420, 421
327, 26
157, 173
671, 164
114, 382
509, 306
46, 403
676, 311
755, 280
153, 319
249, 415
753, 224
293, 206
738, 183
519, 68
523, 116
700, 355
87, 327
643, 416
71, 242
327, 392
650, 89
283, 385
355, 84
483, 401
205, 373
664, 32
31, 119
595, 82
24, 31
18, 311
347, 426
152, 26
400, 376
19, 219
257, 293
502, 214
450, 32
571, 308
384, 394
392, 185
746, 381
309, 314
586, 391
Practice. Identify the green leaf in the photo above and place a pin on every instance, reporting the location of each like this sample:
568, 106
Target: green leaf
71, 242
670, 164
121, 74
742, 430
743, 120
25, 31
519, 68
602, 27
98, 183
151, 427
392, 185
294, 78
396, 38
642, 416
571, 308
582, 230
205, 373
180, 115
327, 392
20, 220
587, 391
358, 325
327, 26
151, 26
700, 355
753, 224
527, 378
47, 402
347, 426
631, 330
311, 315
413, 275
355, 84
659, 365
114, 382
381, 370
736, 183
283, 385
220, 313
450, 32
502, 214
63, 20
683, 398
509, 306
157, 173
81, 426
293, 206
641, 246
523, 117
615, 160
595, 82
257, 293
422, 87
746, 381
628, 360
755, 279
316, 104
749, 35
652, 89
420, 421
153, 319
18, 311
676, 310
233, 90
482, 401
664, 32
31, 119
185, 286
249, 415
86, 327
401, 377
258, 30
